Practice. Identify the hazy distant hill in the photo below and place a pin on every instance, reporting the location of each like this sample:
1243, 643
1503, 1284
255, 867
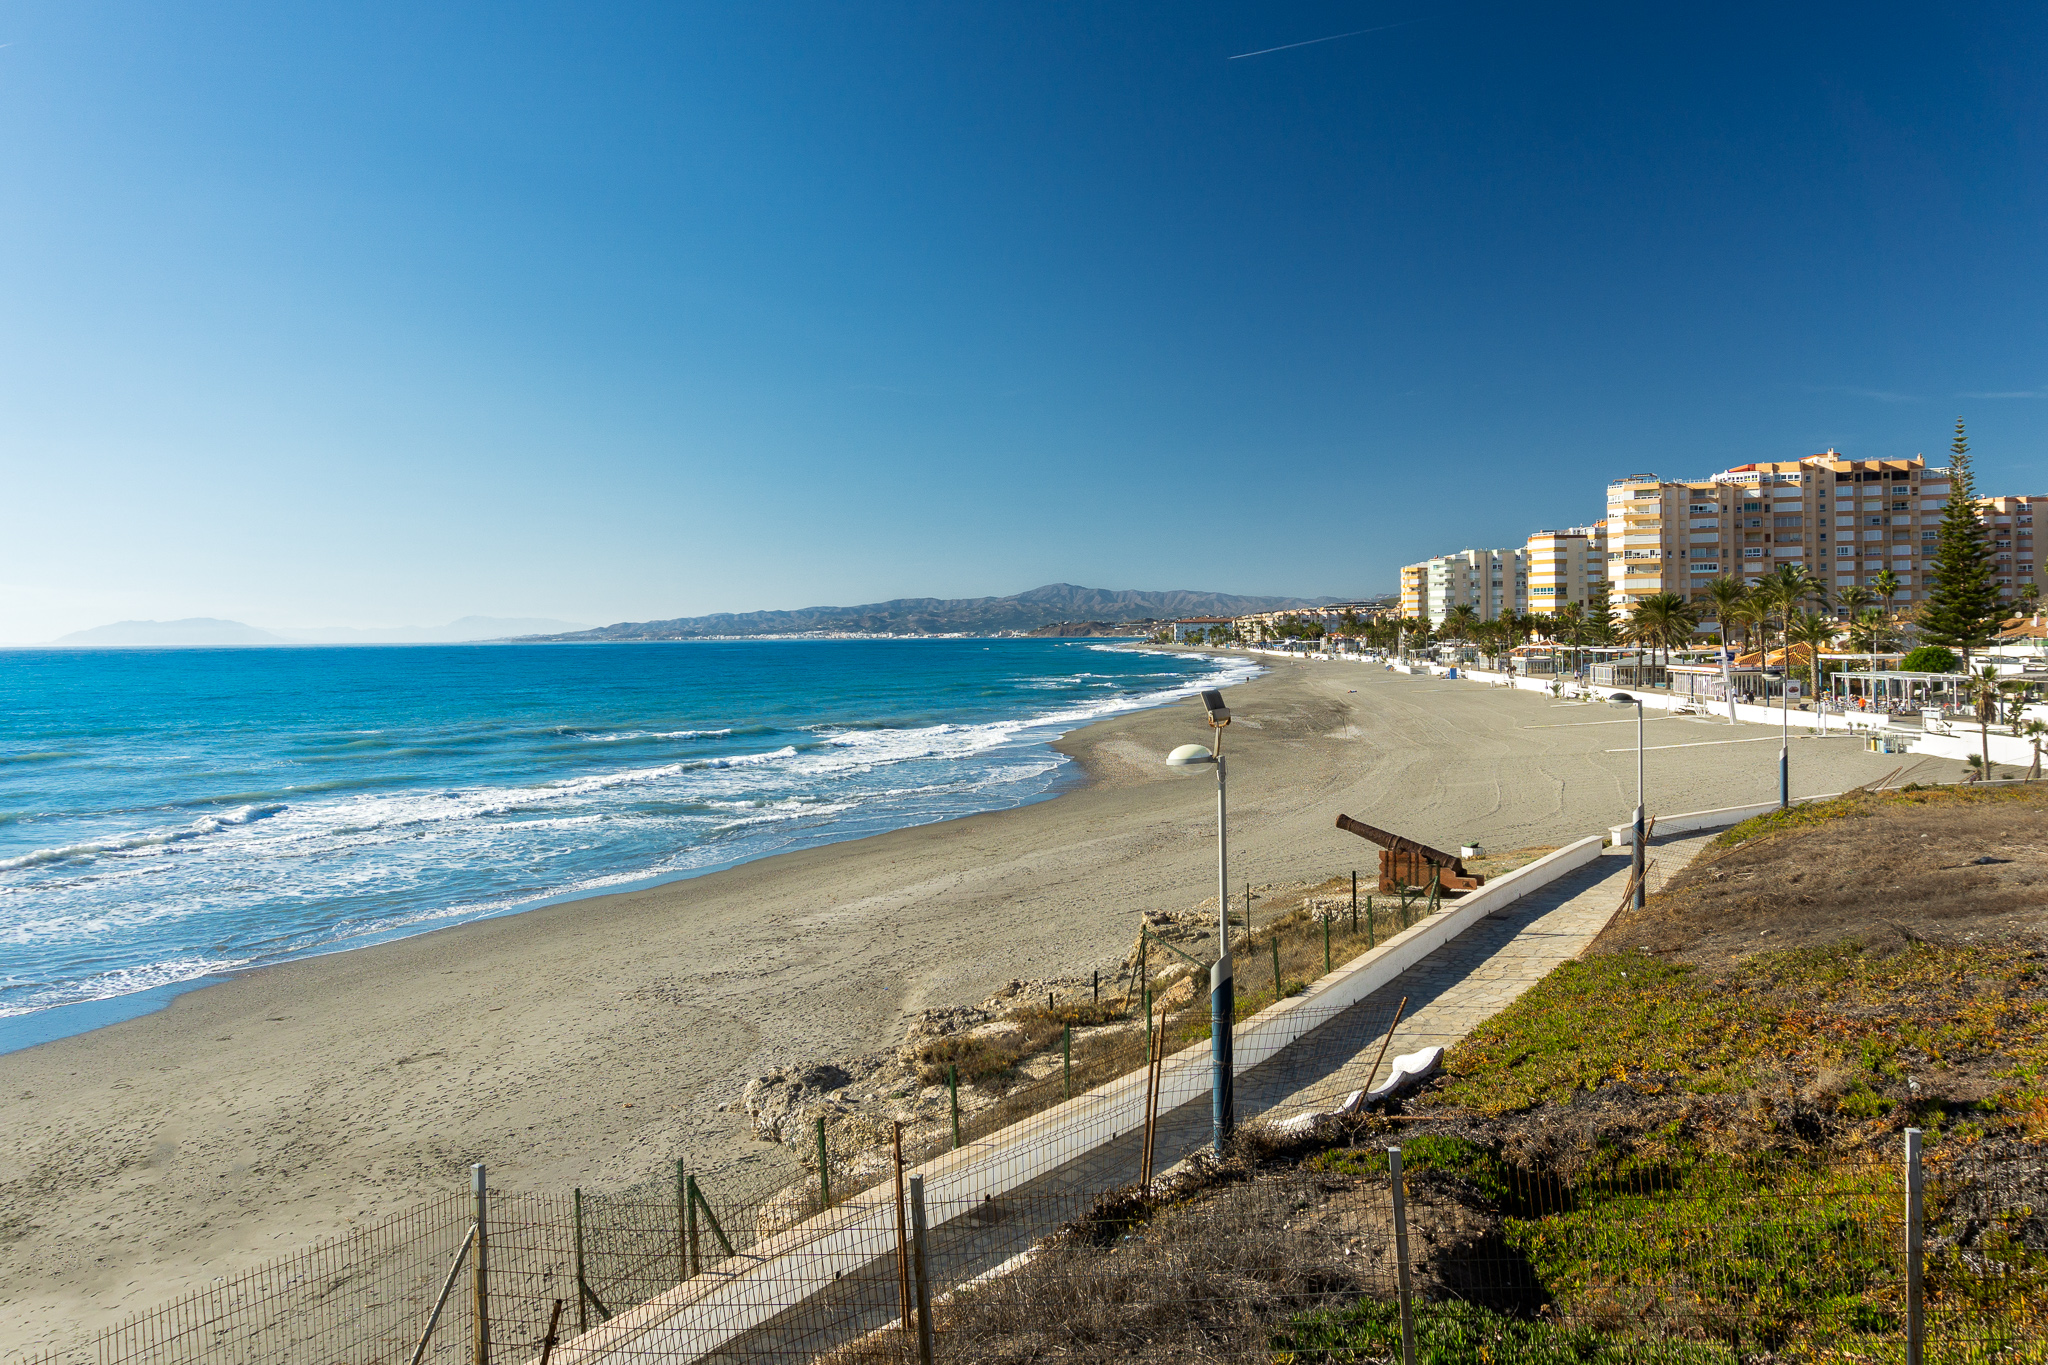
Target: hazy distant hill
193, 630
1044, 606
207, 630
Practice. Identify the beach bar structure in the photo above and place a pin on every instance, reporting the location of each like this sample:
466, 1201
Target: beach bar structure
1702, 682
1628, 670
1897, 690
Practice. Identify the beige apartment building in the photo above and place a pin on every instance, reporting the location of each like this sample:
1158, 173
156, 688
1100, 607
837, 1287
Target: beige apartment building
1565, 566
1488, 581
1844, 521
2009, 527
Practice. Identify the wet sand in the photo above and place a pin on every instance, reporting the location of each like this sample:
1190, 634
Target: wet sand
591, 1043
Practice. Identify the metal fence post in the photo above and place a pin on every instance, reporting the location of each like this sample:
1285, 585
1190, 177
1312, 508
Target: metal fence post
1914, 1325
921, 1268
953, 1086
1354, 902
1276, 964
482, 1266
1067, 1062
1401, 1254
682, 1225
1326, 945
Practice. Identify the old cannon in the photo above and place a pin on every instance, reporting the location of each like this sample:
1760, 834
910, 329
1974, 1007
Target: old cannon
1405, 863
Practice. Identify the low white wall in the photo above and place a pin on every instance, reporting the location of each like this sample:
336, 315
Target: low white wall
1690, 821
703, 1315
2010, 750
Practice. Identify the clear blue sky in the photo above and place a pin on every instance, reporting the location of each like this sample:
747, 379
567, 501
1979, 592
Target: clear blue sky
385, 314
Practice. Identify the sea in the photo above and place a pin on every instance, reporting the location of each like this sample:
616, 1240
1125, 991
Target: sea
171, 815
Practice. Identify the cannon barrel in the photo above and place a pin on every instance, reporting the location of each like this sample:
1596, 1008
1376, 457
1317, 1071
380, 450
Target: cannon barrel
1398, 844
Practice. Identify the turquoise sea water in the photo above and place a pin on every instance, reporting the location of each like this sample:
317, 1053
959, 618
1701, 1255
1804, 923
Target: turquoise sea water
168, 815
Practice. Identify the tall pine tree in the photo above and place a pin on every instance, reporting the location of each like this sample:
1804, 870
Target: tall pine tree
1962, 610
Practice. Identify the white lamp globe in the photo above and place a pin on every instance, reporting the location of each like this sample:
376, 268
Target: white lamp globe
1189, 753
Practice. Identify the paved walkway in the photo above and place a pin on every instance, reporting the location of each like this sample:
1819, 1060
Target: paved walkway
1449, 993
1486, 968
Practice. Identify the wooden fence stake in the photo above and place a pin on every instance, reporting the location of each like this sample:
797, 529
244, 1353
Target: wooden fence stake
582, 1285
547, 1343
696, 1248
447, 1287
481, 1265
1914, 1325
1401, 1253
683, 1224
902, 1234
824, 1168
921, 1264
1384, 1042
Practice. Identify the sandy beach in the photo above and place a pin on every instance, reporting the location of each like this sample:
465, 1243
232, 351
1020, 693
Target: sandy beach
590, 1042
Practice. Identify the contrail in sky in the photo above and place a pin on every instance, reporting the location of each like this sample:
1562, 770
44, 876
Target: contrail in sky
1331, 39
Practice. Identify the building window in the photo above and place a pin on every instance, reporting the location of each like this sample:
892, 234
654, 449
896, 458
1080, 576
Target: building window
1753, 552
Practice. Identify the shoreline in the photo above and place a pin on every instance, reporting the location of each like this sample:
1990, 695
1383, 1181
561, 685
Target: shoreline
37, 1027
591, 1042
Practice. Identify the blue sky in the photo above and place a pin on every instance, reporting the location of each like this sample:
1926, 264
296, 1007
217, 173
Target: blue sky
387, 314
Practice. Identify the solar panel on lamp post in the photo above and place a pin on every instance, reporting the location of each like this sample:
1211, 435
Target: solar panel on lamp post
1636, 839
1222, 991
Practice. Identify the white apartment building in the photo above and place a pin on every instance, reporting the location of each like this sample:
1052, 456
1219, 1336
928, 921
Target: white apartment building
1488, 581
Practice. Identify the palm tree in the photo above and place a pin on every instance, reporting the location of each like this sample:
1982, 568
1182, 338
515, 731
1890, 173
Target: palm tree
1870, 631
1726, 594
1985, 690
1814, 630
1459, 621
1663, 620
1854, 600
1750, 613
2036, 730
1782, 593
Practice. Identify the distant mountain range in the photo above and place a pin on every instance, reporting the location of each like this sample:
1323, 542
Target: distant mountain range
1050, 605
210, 631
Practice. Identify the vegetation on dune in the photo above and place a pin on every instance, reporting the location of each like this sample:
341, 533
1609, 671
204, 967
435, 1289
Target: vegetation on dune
1866, 1023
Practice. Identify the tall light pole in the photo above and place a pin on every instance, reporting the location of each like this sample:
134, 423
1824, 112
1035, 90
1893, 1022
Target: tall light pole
1636, 842
1785, 732
1222, 991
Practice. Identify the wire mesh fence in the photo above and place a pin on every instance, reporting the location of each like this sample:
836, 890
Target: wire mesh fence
1064, 1220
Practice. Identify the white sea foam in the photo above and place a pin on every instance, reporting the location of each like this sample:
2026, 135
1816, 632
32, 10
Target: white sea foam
331, 867
147, 839
120, 981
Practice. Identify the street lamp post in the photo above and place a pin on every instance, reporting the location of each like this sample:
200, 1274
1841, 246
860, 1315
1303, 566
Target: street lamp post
1785, 734
1636, 841
1222, 990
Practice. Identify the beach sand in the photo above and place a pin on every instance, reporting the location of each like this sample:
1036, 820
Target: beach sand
592, 1042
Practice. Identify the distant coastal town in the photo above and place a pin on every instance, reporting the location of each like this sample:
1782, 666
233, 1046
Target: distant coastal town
1866, 557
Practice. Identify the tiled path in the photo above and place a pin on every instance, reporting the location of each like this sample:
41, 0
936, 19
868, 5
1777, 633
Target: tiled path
1484, 969
1449, 992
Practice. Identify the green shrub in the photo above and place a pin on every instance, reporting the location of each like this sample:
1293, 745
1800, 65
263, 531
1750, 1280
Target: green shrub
1458, 1333
1931, 659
